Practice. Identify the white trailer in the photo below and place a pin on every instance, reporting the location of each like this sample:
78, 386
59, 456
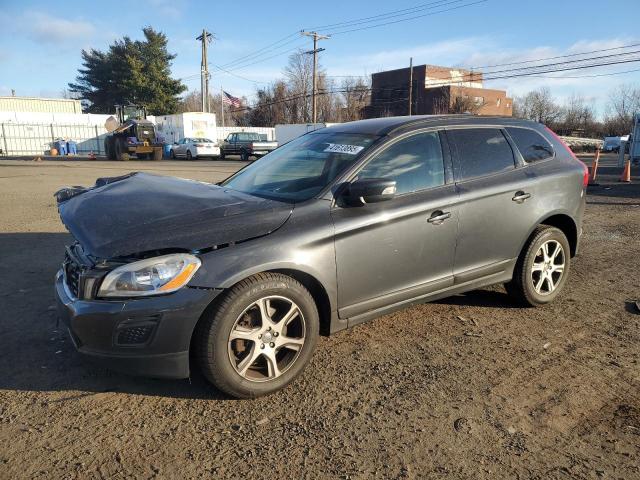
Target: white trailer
186, 125
287, 132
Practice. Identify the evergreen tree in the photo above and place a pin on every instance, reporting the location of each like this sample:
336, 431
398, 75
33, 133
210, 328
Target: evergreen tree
130, 72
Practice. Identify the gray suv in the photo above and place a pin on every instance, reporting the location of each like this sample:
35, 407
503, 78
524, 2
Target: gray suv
335, 228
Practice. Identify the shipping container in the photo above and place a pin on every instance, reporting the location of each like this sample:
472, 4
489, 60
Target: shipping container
172, 128
287, 132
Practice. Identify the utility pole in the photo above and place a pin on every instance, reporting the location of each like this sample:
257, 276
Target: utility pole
205, 38
316, 36
410, 84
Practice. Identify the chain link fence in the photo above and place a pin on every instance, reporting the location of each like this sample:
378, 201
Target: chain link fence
18, 139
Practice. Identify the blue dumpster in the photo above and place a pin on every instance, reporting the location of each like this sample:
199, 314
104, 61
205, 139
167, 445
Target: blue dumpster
61, 146
72, 147
167, 150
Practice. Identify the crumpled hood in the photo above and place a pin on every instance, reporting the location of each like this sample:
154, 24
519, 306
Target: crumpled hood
142, 212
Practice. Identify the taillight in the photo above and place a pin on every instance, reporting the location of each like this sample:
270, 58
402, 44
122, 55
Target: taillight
200, 145
585, 169
585, 175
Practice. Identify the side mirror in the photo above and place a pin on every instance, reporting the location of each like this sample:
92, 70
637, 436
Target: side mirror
371, 190
175, 143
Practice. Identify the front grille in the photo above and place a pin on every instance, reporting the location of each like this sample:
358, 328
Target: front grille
134, 335
72, 275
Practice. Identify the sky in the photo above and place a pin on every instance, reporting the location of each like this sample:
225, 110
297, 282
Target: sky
41, 41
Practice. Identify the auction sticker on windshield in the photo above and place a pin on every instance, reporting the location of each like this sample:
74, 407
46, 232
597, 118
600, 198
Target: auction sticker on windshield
348, 149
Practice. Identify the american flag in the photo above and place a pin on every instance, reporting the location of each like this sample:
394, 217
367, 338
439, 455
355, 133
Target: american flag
231, 100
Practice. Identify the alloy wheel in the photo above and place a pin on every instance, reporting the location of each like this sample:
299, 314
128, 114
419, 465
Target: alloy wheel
266, 339
548, 267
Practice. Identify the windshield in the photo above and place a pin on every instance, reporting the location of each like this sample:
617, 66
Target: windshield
302, 168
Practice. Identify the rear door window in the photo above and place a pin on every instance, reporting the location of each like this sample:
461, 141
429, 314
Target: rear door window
533, 146
481, 152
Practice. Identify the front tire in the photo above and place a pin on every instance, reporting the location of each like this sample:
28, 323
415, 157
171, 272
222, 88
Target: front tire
260, 336
122, 154
542, 268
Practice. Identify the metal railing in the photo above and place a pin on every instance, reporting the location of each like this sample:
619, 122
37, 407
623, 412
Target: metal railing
18, 139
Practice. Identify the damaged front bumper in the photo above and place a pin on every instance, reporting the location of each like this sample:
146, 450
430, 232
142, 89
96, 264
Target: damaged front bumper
143, 336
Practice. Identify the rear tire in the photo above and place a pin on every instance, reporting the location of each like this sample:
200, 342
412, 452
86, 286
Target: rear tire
221, 156
542, 268
110, 147
189, 156
247, 346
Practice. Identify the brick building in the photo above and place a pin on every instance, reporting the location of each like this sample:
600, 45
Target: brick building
436, 90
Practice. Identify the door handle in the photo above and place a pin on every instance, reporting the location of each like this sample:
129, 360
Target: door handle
438, 217
521, 196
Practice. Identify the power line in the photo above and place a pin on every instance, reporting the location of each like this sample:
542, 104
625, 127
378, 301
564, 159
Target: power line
635, 52
261, 50
235, 74
263, 59
404, 88
372, 18
527, 61
555, 58
250, 59
590, 76
408, 19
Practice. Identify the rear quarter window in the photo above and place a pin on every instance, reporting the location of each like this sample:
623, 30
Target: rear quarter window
481, 152
533, 146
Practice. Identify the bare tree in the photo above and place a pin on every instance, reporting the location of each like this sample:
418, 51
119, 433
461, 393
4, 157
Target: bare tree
538, 105
271, 107
355, 93
578, 116
299, 75
452, 101
624, 101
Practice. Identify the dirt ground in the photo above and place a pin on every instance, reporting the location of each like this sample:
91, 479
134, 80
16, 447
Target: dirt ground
468, 387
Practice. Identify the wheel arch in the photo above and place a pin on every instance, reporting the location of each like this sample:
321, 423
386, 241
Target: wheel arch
561, 220
567, 225
315, 287
317, 291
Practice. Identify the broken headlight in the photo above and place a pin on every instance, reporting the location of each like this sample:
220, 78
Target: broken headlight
152, 276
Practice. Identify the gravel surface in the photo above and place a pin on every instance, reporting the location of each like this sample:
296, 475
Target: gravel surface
468, 387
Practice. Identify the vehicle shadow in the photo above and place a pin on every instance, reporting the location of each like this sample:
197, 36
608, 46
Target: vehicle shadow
481, 298
36, 353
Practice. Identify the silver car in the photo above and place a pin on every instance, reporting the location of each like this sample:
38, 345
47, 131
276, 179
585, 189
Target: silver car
190, 148
335, 228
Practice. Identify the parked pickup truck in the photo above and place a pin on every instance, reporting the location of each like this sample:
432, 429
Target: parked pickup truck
246, 144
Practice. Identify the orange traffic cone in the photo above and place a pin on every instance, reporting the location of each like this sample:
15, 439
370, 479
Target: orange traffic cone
626, 173
594, 169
